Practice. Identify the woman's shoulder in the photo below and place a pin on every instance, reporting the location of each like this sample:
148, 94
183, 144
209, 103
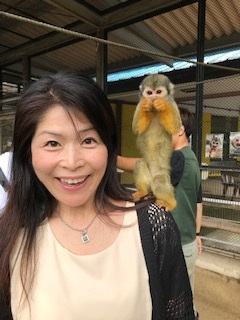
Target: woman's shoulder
21, 239
155, 213
159, 219
158, 230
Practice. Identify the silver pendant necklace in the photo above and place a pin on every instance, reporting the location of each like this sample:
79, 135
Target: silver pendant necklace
85, 237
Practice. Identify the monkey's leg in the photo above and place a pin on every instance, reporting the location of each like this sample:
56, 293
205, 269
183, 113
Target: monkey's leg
141, 176
160, 172
144, 115
168, 116
163, 189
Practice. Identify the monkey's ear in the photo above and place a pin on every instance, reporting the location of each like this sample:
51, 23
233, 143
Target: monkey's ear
171, 88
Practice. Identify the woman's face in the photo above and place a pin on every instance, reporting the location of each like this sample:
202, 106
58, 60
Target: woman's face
70, 165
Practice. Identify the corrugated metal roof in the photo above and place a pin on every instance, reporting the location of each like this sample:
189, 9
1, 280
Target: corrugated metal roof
171, 33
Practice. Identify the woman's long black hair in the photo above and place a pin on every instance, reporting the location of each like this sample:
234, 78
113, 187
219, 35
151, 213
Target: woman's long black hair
29, 202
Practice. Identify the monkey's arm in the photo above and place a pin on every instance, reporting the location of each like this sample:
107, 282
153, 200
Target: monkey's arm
169, 116
142, 116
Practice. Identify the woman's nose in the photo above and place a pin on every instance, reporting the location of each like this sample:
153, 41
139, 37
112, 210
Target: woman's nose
72, 157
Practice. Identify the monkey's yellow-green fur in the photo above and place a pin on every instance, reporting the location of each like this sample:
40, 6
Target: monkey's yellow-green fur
155, 121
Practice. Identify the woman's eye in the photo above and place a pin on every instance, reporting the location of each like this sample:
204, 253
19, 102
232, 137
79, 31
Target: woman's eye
52, 144
89, 141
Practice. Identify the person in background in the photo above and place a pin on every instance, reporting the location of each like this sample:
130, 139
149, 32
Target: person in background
185, 177
3, 198
73, 245
5, 175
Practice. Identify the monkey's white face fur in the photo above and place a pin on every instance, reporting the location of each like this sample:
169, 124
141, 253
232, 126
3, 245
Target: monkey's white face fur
153, 94
156, 86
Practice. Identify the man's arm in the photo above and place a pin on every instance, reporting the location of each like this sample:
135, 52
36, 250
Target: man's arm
126, 164
198, 225
177, 167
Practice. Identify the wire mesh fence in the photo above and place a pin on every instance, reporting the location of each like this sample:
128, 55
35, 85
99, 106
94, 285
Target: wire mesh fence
221, 209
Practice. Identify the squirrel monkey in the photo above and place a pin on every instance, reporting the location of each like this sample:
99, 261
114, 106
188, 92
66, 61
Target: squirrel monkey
155, 120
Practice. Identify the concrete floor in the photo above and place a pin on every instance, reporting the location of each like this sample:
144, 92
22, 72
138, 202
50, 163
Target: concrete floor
217, 287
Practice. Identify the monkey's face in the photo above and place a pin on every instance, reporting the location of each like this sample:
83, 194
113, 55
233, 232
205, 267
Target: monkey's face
153, 94
236, 142
214, 143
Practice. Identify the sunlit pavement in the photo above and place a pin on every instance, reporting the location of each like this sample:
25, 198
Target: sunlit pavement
217, 287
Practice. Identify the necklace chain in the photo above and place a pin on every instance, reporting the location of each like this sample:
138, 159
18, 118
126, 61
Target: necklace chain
85, 237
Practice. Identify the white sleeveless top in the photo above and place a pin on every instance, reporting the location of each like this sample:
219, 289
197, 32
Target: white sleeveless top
110, 285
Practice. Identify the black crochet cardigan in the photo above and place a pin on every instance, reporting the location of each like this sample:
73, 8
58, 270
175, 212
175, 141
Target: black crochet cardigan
168, 278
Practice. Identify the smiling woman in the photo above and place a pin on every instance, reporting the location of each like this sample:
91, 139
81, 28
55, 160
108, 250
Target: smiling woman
69, 226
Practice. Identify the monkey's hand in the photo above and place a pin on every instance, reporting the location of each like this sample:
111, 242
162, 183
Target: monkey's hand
168, 116
146, 105
159, 104
144, 116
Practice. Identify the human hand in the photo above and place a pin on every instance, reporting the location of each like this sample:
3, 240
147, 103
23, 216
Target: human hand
199, 244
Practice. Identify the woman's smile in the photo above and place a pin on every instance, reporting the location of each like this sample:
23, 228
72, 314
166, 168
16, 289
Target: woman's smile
72, 184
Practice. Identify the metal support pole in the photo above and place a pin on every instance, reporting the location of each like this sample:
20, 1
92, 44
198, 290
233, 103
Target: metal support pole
1, 88
1, 95
26, 70
101, 67
197, 139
